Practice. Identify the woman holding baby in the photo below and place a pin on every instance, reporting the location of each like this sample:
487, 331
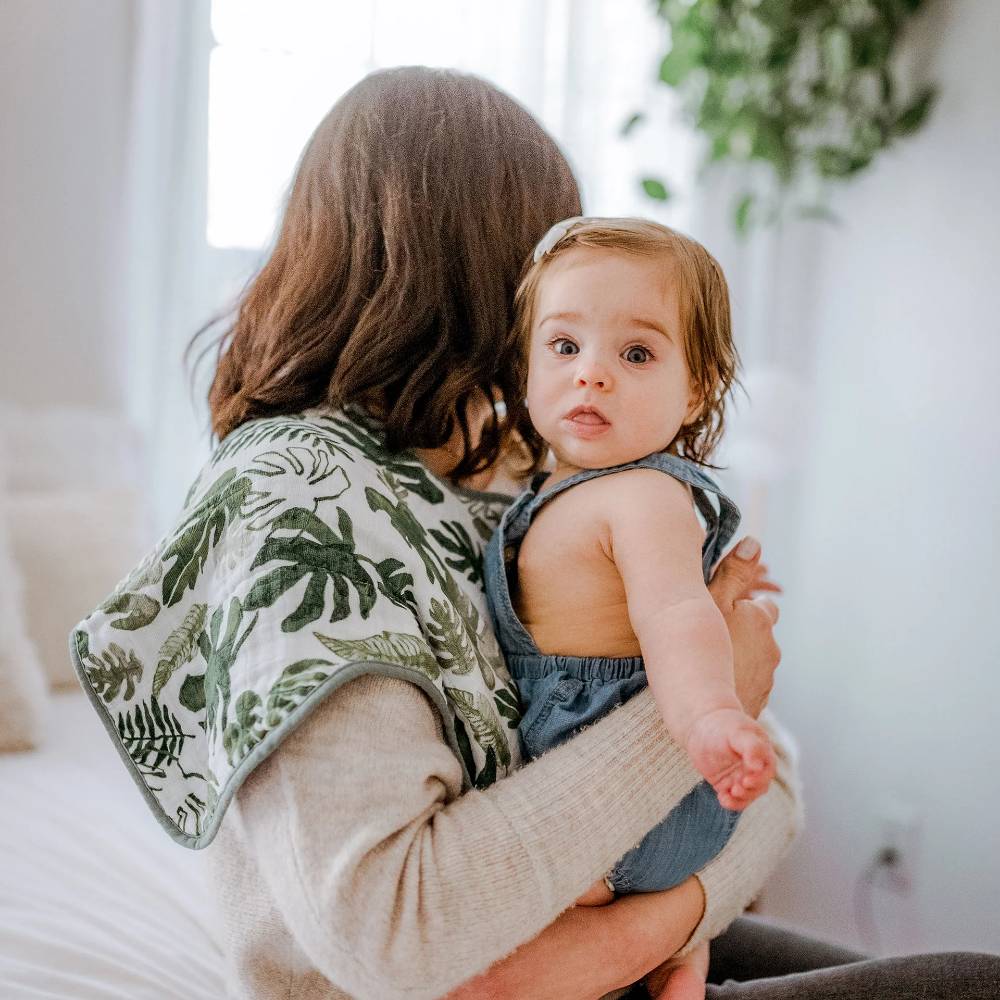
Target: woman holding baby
395, 844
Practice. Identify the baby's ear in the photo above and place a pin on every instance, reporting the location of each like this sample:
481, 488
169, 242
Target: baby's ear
694, 407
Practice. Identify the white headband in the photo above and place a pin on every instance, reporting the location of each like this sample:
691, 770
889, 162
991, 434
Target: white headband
555, 234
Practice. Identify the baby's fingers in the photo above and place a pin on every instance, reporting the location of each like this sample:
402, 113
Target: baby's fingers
732, 803
754, 749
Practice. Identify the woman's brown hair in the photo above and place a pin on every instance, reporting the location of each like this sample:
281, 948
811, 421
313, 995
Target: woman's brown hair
711, 355
391, 283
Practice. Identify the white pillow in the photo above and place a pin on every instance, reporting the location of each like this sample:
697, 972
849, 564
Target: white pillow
24, 698
73, 547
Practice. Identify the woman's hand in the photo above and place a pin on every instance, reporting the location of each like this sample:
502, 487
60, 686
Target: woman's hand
750, 620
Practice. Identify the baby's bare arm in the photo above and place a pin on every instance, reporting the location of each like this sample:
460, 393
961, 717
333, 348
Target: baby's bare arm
655, 541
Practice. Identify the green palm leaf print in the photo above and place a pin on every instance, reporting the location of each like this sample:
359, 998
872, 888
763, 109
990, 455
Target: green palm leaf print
449, 638
138, 610
466, 558
246, 731
482, 642
314, 466
152, 736
363, 433
220, 652
482, 722
201, 532
387, 647
402, 519
288, 428
323, 558
253, 721
111, 670
297, 681
196, 807
396, 583
179, 646
509, 706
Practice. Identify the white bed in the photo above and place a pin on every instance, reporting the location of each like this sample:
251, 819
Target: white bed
95, 900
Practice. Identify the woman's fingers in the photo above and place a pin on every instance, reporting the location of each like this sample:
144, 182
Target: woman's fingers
769, 607
756, 655
734, 574
762, 581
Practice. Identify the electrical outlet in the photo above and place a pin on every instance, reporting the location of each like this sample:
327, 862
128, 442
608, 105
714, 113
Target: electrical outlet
896, 854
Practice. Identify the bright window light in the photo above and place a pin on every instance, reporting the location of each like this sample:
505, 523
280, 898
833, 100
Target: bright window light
276, 68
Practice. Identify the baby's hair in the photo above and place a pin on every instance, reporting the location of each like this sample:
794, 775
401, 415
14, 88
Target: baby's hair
711, 355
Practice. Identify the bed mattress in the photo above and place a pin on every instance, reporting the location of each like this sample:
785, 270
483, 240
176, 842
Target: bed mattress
95, 900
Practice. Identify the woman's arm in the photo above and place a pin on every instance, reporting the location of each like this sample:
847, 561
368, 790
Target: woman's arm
397, 885
606, 947
589, 951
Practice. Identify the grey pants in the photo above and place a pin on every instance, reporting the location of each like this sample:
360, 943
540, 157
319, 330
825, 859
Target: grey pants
755, 960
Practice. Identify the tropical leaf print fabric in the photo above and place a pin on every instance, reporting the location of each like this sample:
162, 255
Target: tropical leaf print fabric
305, 555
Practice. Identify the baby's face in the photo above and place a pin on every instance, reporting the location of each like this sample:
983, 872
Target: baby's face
607, 337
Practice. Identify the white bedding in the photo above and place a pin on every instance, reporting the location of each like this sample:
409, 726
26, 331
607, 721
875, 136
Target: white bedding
96, 901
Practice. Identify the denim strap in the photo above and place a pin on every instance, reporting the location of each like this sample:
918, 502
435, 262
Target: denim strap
720, 524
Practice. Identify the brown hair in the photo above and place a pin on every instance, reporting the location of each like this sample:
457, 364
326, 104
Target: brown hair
391, 282
709, 350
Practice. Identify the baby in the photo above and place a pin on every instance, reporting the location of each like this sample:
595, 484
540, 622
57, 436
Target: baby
596, 576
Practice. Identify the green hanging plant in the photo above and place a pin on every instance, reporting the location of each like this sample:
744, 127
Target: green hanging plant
805, 86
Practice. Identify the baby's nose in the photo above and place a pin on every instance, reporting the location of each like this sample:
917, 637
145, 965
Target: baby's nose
592, 377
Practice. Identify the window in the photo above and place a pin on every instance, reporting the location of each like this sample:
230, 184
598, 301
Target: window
581, 66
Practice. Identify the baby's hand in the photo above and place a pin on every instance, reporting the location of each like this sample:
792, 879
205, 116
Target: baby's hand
734, 755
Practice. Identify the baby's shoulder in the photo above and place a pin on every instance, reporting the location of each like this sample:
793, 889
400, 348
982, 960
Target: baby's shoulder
605, 505
642, 485
644, 502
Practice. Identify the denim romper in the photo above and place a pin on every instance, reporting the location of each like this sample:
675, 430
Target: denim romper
561, 694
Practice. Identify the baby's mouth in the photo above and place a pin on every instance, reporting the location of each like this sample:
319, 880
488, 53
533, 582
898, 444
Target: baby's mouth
586, 415
586, 423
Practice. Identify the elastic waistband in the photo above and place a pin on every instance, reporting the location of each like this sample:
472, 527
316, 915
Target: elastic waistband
584, 668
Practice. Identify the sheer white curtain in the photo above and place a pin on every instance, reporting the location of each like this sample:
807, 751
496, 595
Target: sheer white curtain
226, 93
168, 286
772, 278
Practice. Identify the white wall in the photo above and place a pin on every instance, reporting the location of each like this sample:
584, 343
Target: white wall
888, 544
64, 72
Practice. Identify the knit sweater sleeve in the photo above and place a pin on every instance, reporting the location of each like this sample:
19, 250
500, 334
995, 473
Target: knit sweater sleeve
394, 883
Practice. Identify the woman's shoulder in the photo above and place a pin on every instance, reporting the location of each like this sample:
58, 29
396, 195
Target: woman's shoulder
336, 433
321, 451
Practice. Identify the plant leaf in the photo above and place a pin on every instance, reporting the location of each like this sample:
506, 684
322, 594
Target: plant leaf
655, 189
914, 115
741, 214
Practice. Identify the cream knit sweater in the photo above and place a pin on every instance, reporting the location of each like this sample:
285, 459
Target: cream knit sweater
349, 865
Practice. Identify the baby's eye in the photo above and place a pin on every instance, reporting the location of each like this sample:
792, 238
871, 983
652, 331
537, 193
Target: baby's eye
561, 342
637, 355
